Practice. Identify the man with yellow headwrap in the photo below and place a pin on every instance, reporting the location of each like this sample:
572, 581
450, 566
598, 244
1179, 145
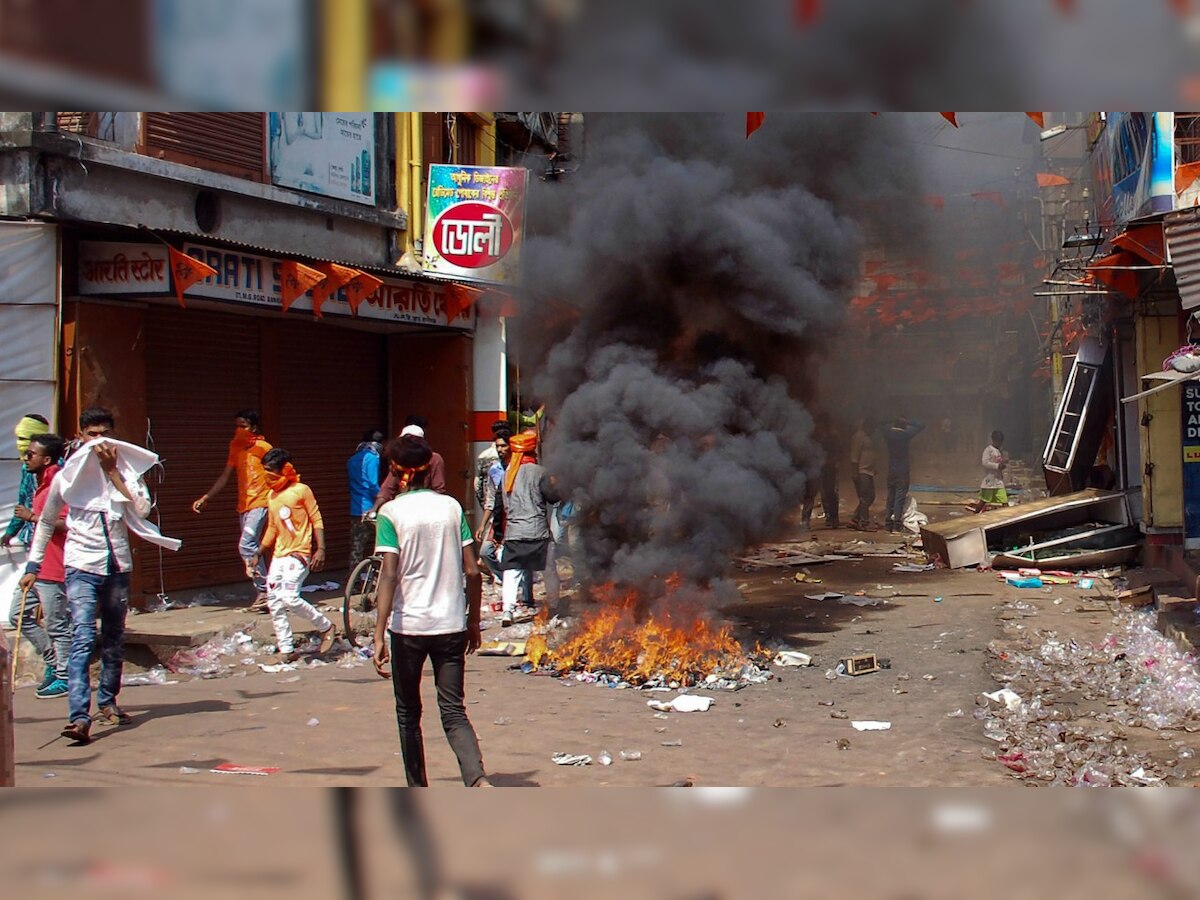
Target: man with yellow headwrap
20, 528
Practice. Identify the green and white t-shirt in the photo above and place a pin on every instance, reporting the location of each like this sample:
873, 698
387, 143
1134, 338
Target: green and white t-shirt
427, 531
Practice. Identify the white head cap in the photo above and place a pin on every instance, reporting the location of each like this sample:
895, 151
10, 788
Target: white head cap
414, 430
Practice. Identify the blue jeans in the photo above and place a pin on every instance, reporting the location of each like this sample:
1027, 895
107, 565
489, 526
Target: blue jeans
488, 552
253, 523
91, 596
897, 497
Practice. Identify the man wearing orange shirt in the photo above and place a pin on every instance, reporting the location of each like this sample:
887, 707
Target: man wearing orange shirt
246, 452
293, 524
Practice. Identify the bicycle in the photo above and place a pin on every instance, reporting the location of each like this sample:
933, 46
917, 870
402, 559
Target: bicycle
361, 588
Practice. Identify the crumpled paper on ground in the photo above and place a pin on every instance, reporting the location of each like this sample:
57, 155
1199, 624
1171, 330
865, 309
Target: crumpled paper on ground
682, 704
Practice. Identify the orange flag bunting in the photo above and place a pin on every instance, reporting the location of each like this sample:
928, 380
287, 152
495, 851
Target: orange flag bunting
335, 277
359, 288
459, 299
1049, 179
754, 122
950, 117
186, 271
296, 279
1185, 176
1039, 119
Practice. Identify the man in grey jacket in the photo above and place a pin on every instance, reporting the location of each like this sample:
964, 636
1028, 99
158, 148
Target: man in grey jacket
898, 435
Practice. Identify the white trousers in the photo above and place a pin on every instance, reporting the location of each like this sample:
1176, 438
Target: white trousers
284, 580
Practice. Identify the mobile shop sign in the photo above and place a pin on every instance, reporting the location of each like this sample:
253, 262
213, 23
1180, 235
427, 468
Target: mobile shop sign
474, 222
253, 280
327, 153
1136, 164
1190, 406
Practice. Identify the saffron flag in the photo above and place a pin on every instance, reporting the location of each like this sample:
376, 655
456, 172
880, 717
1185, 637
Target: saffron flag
459, 299
296, 278
1039, 119
335, 277
754, 122
1185, 176
950, 117
359, 288
1049, 179
186, 271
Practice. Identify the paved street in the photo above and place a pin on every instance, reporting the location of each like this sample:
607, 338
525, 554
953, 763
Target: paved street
774, 734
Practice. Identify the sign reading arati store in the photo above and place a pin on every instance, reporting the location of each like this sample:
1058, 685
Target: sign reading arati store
1190, 405
106, 267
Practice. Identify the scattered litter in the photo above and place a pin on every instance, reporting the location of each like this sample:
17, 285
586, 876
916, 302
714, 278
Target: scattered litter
1027, 581
605, 758
957, 714
188, 770
232, 769
49, 774
1010, 698
928, 677
675, 743
871, 726
325, 586
824, 703
1086, 584
683, 703
843, 743
937, 599
274, 668
630, 755
157, 675
571, 759
862, 601
290, 680
859, 664
788, 658
502, 648
503, 720
825, 595
839, 714
778, 723
913, 567
313, 722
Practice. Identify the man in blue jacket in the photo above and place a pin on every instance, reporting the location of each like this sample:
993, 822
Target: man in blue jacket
898, 434
363, 473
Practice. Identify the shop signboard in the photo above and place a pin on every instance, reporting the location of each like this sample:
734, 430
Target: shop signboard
474, 222
253, 280
1190, 406
1135, 165
327, 153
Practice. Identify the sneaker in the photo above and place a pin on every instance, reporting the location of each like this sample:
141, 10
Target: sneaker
47, 679
77, 732
56, 688
113, 716
327, 639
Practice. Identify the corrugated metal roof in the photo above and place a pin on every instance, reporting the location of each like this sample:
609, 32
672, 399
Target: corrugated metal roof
1183, 241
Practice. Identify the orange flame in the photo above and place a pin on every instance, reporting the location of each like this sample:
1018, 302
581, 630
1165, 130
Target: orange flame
622, 637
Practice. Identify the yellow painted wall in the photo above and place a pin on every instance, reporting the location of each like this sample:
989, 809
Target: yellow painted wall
1157, 338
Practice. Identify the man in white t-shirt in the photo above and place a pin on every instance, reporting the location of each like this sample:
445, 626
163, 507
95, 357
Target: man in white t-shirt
427, 547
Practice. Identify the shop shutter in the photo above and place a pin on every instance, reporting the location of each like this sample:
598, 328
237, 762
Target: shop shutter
201, 368
233, 143
332, 386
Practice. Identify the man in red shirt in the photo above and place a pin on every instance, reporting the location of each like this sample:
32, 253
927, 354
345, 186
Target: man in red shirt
54, 640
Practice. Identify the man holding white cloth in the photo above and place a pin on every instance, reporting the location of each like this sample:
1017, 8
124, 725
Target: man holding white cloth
102, 489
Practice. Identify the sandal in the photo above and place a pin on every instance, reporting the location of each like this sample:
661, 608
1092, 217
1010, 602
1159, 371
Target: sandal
77, 732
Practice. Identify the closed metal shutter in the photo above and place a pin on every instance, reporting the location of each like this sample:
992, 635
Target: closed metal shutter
233, 143
332, 386
201, 368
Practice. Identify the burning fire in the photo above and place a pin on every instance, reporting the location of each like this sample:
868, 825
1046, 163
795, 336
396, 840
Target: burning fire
621, 638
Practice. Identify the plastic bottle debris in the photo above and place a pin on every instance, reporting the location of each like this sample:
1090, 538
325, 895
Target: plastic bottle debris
630, 755
157, 675
605, 758
571, 759
675, 743
871, 726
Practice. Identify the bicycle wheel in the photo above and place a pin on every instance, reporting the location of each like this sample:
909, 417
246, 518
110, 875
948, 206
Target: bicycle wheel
360, 590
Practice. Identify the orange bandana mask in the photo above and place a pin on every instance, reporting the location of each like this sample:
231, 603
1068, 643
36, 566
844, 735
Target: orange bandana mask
524, 452
405, 475
242, 439
286, 478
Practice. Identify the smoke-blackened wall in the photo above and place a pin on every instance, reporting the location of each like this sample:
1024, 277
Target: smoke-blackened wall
703, 269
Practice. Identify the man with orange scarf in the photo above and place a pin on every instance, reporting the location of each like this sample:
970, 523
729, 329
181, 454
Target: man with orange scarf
293, 524
527, 494
246, 452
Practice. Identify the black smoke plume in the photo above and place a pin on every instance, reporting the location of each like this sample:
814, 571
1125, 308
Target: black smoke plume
706, 270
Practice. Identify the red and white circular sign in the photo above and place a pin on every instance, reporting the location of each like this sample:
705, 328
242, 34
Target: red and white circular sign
473, 235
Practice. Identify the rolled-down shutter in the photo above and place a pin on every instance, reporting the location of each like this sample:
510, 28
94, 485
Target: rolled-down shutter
201, 368
233, 143
331, 388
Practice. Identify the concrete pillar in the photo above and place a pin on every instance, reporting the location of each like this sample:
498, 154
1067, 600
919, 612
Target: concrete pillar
490, 388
